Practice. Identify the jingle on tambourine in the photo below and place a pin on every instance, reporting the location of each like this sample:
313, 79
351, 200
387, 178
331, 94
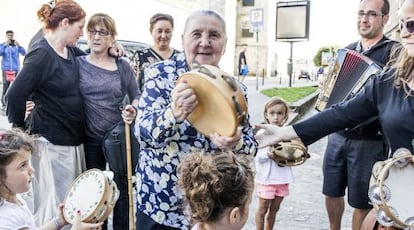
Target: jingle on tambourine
221, 104
290, 153
94, 193
391, 189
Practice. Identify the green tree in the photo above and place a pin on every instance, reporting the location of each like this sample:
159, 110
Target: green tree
317, 59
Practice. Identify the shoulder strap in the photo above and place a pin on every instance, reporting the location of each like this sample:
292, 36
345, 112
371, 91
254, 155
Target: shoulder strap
122, 78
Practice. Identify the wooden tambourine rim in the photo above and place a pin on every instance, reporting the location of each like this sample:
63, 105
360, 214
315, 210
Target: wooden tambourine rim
205, 79
282, 161
101, 202
381, 178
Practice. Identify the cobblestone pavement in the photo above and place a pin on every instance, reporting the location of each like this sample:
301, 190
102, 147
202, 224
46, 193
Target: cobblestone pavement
304, 208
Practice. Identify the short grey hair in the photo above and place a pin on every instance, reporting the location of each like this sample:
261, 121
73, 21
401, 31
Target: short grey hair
207, 13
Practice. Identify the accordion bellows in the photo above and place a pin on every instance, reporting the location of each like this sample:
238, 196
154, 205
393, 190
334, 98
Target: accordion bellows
349, 73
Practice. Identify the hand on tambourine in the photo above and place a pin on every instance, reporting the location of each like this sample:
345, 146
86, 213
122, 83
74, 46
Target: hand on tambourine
272, 134
226, 143
184, 101
79, 225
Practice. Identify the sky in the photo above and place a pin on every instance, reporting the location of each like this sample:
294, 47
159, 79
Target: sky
332, 22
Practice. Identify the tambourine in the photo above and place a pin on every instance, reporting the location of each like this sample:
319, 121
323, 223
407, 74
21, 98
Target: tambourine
370, 222
94, 193
289, 153
221, 104
391, 190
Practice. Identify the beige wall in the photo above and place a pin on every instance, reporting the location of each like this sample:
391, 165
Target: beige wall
256, 50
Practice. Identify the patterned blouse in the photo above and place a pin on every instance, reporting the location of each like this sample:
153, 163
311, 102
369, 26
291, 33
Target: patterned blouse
147, 57
164, 141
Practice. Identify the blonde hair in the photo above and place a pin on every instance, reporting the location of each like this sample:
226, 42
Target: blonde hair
403, 65
276, 101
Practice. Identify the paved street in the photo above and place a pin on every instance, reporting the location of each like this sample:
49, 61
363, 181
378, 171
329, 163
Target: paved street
304, 208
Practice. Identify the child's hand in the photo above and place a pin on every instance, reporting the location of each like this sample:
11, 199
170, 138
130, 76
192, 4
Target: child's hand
60, 218
79, 225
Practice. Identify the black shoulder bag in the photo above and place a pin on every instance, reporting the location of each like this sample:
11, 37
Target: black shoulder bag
114, 143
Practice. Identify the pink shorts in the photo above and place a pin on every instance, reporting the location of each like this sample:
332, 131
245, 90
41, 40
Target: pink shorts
271, 191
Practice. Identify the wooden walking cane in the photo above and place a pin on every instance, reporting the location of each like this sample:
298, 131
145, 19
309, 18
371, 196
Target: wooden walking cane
129, 176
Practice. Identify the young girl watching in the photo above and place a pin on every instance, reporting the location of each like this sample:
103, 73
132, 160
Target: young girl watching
272, 180
16, 175
218, 188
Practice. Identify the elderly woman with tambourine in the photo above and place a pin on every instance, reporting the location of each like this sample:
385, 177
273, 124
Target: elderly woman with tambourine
176, 114
389, 96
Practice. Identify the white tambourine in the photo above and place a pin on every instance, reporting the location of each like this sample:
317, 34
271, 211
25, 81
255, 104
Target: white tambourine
391, 188
94, 194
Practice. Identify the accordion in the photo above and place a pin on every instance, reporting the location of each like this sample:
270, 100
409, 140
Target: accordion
349, 73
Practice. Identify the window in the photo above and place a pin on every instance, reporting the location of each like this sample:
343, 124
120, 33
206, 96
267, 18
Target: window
246, 33
248, 3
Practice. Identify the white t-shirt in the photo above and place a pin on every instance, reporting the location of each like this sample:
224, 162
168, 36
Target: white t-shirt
15, 215
268, 172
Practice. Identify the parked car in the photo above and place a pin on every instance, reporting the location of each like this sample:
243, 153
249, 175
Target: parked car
131, 49
304, 74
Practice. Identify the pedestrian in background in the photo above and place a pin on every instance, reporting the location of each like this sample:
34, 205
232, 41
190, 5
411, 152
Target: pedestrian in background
161, 29
243, 68
272, 180
10, 52
164, 133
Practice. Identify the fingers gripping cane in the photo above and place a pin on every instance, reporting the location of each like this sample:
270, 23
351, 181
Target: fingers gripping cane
129, 175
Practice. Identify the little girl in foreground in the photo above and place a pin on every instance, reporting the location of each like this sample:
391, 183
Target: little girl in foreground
16, 174
272, 180
218, 188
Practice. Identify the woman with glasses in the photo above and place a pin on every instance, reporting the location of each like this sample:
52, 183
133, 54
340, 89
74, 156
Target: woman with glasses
50, 76
103, 94
388, 96
161, 29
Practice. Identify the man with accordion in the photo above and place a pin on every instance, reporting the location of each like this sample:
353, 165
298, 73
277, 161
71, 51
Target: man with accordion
351, 153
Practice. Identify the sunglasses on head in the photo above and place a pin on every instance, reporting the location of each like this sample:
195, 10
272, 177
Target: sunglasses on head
409, 26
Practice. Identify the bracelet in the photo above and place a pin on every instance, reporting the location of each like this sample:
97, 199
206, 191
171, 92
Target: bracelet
56, 221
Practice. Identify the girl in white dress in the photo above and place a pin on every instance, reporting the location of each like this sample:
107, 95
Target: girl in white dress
16, 175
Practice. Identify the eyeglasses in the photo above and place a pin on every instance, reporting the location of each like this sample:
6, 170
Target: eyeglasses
409, 25
369, 14
100, 32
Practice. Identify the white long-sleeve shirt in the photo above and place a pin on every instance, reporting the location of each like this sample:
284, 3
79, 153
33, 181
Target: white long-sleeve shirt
269, 172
